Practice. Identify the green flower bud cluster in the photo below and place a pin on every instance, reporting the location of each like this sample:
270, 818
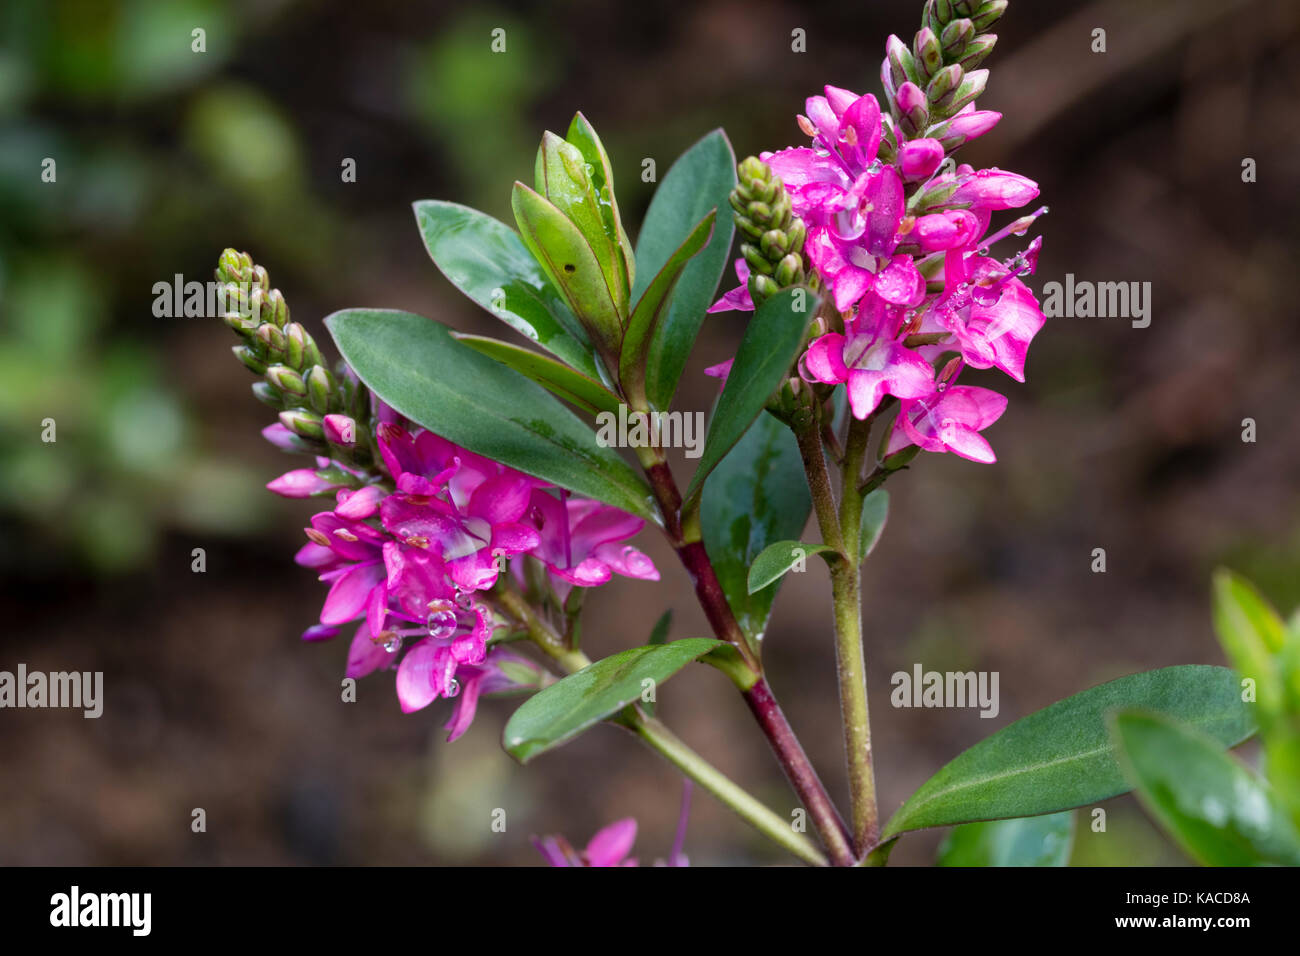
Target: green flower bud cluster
295, 379
941, 63
772, 235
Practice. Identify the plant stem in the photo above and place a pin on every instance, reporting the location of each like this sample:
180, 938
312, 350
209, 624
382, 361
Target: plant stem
819, 484
664, 741
789, 753
850, 658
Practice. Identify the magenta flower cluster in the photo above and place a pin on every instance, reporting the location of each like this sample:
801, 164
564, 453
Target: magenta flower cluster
901, 249
411, 565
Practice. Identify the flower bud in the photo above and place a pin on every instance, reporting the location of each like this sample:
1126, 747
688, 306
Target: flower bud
264, 392
919, 158
995, 189
789, 271
988, 14
286, 380
928, 53
275, 309
964, 127
940, 90
303, 423
955, 36
295, 345
971, 87
976, 51
898, 67
273, 342
340, 430
320, 386
913, 116
249, 358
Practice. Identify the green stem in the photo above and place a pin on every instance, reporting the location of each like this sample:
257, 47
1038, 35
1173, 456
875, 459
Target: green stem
663, 741
849, 655
808, 435
766, 822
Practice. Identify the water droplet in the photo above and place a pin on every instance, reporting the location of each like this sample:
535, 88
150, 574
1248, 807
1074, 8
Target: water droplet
464, 599
393, 644
441, 624
453, 688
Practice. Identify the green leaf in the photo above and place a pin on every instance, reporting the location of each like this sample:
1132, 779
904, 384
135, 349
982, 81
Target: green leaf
758, 495
1218, 811
415, 365
487, 261
583, 135
659, 633
1062, 756
654, 303
699, 181
1251, 633
570, 385
875, 512
776, 559
771, 343
572, 266
563, 178
568, 707
1026, 841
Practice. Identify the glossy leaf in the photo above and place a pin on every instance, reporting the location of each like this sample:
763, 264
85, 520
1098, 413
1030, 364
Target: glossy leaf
583, 135
487, 261
659, 633
875, 512
699, 181
756, 496
569, 262
568, 707
555, 377
416, 366
776, 559
563, 178
1063, 757
1220, 812
652, 307
771, 343
1044, 840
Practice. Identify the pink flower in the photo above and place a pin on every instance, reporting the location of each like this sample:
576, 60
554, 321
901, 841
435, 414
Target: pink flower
869, 360
609, 847
949, 419
739, 297
459, 506
579, 541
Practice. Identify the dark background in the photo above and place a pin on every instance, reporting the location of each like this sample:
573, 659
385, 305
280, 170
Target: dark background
1127, 439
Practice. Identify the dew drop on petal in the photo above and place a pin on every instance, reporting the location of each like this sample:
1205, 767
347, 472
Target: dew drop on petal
393, 644
441, 624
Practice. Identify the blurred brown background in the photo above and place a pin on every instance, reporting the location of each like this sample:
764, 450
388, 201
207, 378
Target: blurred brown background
1127, 439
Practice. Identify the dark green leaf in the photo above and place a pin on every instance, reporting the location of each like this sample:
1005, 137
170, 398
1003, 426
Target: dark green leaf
1026, 841
875, 512
653, 305
771, 343
570, 385
488, 262
1218, 811
776, 559
568, 707
1062, 756
699, 181
415, 365
758, 495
